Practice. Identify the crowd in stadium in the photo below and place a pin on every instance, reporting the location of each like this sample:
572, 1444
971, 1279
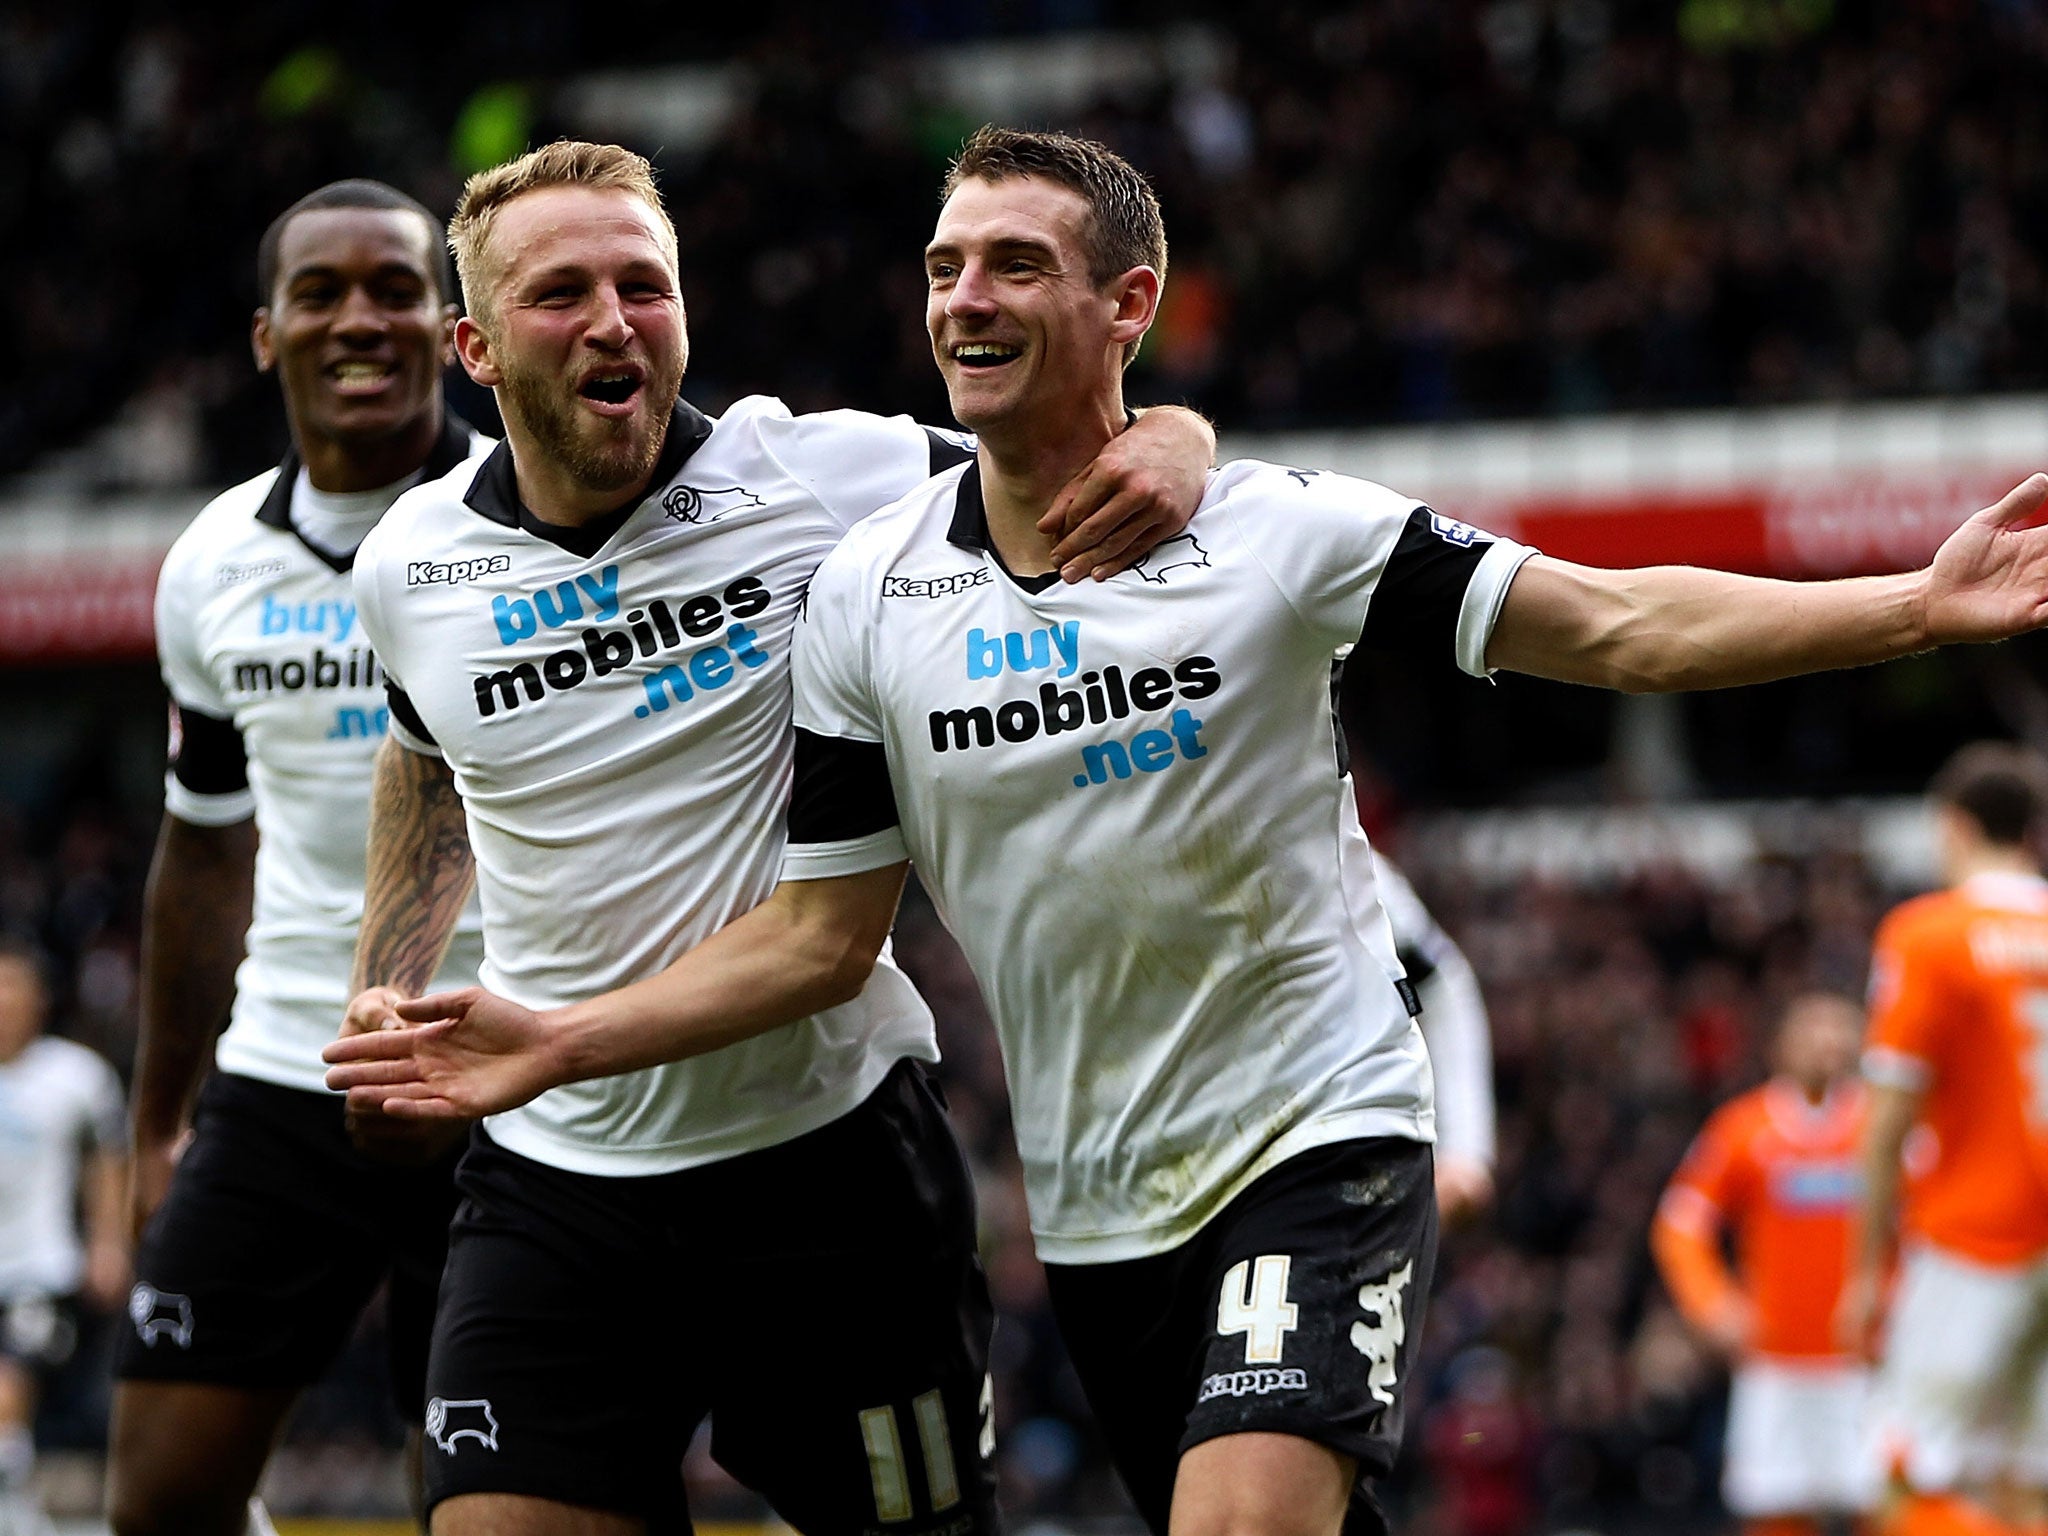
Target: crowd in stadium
1379, 212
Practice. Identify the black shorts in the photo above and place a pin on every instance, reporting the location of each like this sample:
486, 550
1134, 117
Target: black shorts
820, 1299
1294, 1311
39, 1332
275, 1233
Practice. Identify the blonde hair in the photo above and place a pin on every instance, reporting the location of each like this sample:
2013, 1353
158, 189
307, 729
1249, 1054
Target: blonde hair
564, 163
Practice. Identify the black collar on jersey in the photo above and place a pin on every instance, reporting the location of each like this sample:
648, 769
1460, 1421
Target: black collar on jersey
969, 529
449, 450
495, 491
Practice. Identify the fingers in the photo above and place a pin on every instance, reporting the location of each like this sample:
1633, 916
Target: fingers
2022, 505
436, 1006
1118, 549
407, 1101
373, 1074
371, 1009
1079, 499
1112, 516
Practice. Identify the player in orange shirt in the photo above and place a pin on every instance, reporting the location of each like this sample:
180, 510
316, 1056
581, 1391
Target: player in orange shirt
1776, 1169
1958, 1027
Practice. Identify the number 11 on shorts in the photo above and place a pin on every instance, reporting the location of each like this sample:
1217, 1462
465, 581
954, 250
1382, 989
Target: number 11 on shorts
887, 1467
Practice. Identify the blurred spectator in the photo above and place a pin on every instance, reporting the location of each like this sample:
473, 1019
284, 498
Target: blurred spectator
1382, 210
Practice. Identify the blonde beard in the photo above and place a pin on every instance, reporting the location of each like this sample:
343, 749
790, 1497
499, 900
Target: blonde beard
554, 424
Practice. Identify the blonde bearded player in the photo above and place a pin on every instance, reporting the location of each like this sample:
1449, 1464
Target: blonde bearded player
1956, 1159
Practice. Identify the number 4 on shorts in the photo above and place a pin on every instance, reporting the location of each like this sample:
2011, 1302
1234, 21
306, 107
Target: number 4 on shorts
1263, 1314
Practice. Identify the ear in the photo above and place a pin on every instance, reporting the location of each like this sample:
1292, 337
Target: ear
449, 315
260, 343
473, 351
1137, 305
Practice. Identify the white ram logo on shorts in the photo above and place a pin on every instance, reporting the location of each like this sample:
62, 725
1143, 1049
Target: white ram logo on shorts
450, 1419
160, 1315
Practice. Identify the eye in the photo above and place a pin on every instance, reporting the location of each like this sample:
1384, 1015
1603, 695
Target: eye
941, 272
315, 295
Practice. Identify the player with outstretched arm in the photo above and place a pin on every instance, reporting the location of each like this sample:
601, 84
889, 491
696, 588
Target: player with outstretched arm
1124, 801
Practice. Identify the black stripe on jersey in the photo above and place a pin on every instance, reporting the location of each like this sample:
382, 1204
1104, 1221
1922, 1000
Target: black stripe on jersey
842, 789
947, 449
494, 493
449, 450
403, 712
207, 755
1415, 605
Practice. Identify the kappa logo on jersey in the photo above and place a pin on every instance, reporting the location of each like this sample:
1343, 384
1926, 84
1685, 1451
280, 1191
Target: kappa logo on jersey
698, 504
160, 1315
1260, 1311
451, 1420
234, 572
1179, 553
1380, 1341
453, 573
1451, 531
935, 586
1303, 475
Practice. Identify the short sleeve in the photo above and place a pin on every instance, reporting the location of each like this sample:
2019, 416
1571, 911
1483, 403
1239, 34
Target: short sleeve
1360, 563
367, 579
206, 781
856, 463
1908, 1004
843, 814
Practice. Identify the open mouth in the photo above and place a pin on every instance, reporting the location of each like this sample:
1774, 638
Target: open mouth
985, 354
612, 391
358, 377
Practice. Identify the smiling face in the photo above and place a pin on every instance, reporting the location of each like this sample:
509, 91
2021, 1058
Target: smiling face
581, 333
356, 328
1018, 329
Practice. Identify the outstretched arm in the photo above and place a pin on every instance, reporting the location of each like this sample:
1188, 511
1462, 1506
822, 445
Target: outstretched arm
195, 911
810, 946
1142, 488
1670, 628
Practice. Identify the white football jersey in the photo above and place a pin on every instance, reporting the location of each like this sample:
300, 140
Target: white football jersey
613, 701
58, 1102
1124, 799
277, 711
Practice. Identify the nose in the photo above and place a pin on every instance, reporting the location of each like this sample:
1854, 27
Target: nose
973, 295
608, 328
360, 317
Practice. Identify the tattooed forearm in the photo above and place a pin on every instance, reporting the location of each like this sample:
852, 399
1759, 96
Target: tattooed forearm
420, 871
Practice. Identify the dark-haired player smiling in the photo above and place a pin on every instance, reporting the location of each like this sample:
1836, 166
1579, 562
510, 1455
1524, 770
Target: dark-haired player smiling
271, 1230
